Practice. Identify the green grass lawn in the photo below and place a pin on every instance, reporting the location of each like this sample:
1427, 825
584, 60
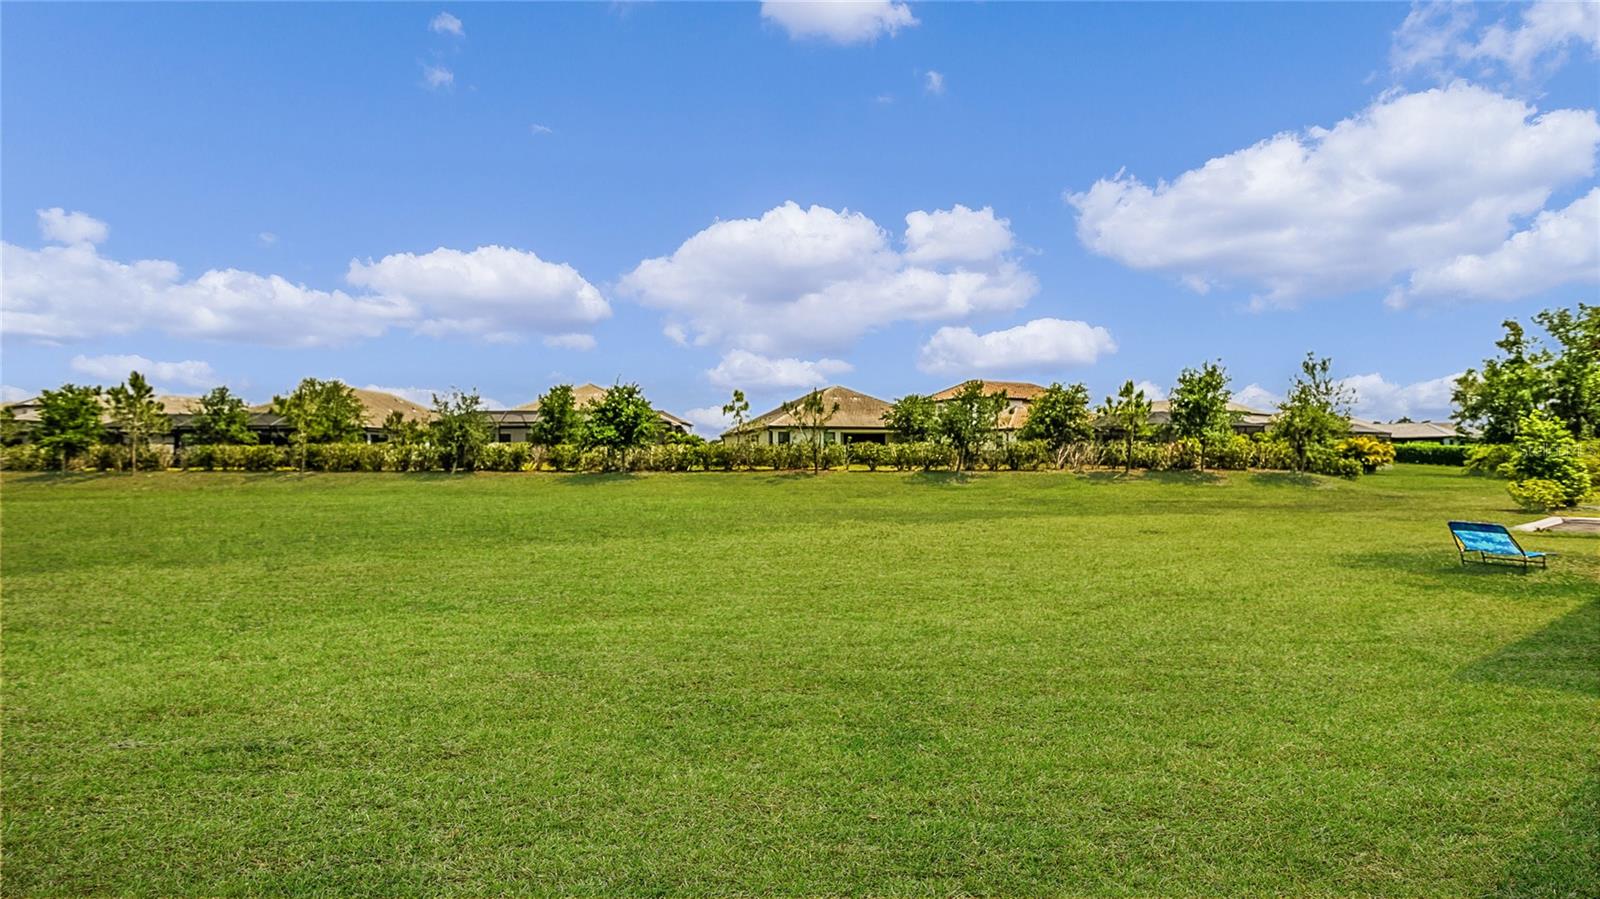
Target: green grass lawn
735, 683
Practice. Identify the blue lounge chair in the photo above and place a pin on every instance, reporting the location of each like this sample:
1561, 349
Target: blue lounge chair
1492, 543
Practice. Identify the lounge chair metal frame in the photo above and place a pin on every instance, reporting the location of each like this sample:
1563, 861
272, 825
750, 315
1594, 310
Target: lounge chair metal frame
1512, 555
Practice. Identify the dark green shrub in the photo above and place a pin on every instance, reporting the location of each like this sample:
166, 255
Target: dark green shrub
261, 458
564, 457
25, 457
1488, 460
834, 455
869, 454
1431, 453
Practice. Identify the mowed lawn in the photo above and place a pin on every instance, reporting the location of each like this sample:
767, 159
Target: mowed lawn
736, 683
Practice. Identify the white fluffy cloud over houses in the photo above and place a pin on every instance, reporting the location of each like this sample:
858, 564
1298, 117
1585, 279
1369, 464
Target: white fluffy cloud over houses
1404, 187
839, 21
1044, 343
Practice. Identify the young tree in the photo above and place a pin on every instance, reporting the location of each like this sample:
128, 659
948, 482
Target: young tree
1315, 413
459, 428
11, 432
1199, 406
403, 431
1544, 449
1507, 390
621, 420
913, 417
69, 421
1129, 413
968, 421
811, 414
222, 418
736, 409
559, 420
1574, 371
137, 413
320, 412
1059, 416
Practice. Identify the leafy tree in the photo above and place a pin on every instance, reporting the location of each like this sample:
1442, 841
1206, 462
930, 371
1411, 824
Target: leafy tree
1507, 390
1129, 413
1544, 449
1199, 406
1315, 414
222, 418
11, 432
69, 421
137, 413
320, 412
811, 413
913, 418
1574, 373
621, 420
459, 429
736, 409
401, 430
559, 420
1059, 416
968, 421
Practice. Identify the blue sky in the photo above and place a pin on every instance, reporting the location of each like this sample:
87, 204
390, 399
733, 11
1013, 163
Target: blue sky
508, 196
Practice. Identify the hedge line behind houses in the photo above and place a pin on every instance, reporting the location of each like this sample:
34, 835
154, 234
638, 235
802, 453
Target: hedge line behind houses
1431, 453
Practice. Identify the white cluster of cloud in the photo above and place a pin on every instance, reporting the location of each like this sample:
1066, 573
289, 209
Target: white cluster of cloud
189, 373
1412, 183
1437, 38
69, 292
839, 21
747, 370
812, 280
445, 23
1152, 390
62, 226
1257, 397
933, 82
12, 394
709, 421
1041, 344
438, 77
1383, 400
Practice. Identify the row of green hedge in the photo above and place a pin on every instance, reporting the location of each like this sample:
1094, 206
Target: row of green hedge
1431, 453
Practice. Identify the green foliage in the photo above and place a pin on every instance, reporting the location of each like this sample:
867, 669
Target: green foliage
1059, 416
871, 455
619, 421
564, 456
811, 414
11, 430
507, 457
737, 409
968, 421
136, 412
69, 422
1574, 371
560, 420
912, 418
233, 457
1538, 495
23, 457
1431, 453
1563, 380
319, 412
402, 430
1487, 460
1199, 408
1314, 415
1128, 415
1544, 450
459, 429
1368, 452
221, 417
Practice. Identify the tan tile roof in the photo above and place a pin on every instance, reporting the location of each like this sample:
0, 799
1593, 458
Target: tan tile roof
1423, 430
376, 406
173, 404
857, 411
1015, 390
584, 394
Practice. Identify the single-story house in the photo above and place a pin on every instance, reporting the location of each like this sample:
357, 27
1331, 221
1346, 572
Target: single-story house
1426, 432
858, 420
1019, 399
513, 425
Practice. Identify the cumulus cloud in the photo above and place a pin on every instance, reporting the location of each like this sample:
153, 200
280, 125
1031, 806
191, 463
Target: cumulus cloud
1152, 390
570, 341
189, 373
267, 238
1383, 400
804, 280
1437, 38
445, 23
495, 293
1561, 247
423, 396
933, 82
1040, 344
839, 21
1257, 397
751, 371
1413, 181
10, 394
709, 421
438, 77
61, 226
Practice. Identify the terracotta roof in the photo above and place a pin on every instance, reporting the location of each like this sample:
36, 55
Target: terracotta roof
856, 411
1014, 390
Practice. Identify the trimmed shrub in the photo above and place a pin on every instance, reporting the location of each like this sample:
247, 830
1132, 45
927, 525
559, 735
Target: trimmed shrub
1488, 460
868, 454
1235, 453
505, 456
1544, 449
564, 457
261, 457
718, 456
1273, 453
1538, 495
25, 457
1431, 453
1368, 452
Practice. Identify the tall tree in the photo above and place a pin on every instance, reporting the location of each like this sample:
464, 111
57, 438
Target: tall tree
222, 418
621, 420
1199, 404
1129, 413
320, 412
137, 413
1508, 388
559, 420
1059, 416
969, 420
69, 421
811, 414
1574, 371
459, 429
1315, 413
913, 417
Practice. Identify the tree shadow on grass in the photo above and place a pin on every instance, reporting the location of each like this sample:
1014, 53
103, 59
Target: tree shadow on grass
1188, 476
1563, 858
1285, 479
940, 478
1564, 655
